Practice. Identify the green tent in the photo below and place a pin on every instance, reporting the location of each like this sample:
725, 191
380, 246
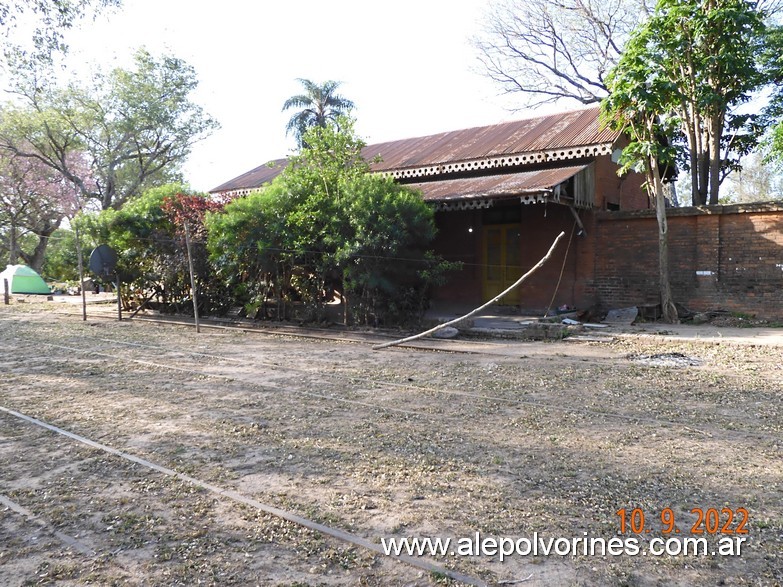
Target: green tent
23, 280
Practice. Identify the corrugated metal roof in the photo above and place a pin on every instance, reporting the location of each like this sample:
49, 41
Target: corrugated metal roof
566, 132
495, 186
254, 178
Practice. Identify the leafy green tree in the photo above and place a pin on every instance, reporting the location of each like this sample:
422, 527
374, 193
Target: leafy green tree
772, 59
136, 126
319, 105
633, 107
319, 180
702, 57
327, 226
148, 234
689, 67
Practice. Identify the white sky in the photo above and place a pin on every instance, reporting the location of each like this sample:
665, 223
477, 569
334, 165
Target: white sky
407, 65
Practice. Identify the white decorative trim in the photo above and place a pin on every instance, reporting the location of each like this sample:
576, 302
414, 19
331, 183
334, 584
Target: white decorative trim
235, 193
451, 206
504, 161
534, 199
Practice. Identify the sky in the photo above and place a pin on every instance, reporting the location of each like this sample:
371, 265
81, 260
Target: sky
408, 66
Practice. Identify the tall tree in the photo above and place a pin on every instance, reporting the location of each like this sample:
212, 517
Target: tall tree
319, 105
687, 68
549, 50
137, 126
702, 56
633, 107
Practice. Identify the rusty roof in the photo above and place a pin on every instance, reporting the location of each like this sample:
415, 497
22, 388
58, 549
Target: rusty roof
254, 178
495, 186
562, 131
577, 134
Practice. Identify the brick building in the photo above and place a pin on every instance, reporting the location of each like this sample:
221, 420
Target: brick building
503, 192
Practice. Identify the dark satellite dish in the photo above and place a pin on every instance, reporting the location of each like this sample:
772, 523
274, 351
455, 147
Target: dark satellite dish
103, 261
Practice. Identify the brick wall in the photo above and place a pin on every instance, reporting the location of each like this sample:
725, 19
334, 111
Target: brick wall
721, 257
611, 190
459, 239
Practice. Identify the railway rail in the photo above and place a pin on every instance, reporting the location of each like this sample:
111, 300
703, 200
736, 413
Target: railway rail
377, 383
323, 383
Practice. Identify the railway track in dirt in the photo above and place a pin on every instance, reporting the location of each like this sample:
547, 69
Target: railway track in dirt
234, 496
160, 357
480, 345
299, 379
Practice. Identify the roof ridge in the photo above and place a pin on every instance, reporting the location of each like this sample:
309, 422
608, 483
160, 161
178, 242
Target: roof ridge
539, 117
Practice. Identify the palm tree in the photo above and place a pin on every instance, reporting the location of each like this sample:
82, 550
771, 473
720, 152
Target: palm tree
319, 104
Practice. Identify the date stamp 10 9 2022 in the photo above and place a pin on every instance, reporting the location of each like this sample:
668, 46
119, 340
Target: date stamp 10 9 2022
707, 521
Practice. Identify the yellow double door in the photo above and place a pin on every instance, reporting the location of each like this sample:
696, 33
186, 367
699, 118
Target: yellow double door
501, 261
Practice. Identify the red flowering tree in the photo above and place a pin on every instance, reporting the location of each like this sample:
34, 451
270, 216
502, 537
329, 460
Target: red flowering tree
190, 210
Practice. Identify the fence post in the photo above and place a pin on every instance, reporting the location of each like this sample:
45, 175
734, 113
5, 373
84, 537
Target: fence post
81, 273
192, 278
6, 292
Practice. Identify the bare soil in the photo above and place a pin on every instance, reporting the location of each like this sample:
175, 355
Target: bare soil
510, 439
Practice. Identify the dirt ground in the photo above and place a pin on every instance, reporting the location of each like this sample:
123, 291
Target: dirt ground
506, 438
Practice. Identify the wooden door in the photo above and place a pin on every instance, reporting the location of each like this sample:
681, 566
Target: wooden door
501, 261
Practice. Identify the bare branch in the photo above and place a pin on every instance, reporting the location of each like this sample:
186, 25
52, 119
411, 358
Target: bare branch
548, 50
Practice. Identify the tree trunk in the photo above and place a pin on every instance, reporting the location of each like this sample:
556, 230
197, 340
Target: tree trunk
693, 148
716, 130
36, 260
13, 246
704, 176
669, 310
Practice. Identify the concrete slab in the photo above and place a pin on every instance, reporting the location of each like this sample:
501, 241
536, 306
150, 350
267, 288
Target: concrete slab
90, 298
491, 322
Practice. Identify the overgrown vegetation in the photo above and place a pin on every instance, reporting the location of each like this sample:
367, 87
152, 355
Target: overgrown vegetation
328, 231
326, 241
148, 234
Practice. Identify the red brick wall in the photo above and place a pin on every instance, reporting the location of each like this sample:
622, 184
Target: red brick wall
540, 225
721, 257
610, 189
456, 242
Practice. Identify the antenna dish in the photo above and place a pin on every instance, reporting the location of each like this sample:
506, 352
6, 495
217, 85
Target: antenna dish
103, 261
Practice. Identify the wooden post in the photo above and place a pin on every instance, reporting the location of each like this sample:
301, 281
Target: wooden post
192, 278
6, 292
81, 274
119, 298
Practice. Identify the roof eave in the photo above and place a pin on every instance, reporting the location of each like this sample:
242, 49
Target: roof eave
505, 161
